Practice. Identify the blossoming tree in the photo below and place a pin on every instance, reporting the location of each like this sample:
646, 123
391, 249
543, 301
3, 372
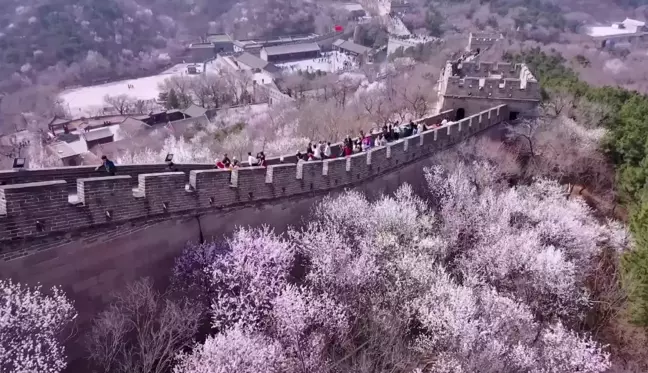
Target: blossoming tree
477, 277
30, 325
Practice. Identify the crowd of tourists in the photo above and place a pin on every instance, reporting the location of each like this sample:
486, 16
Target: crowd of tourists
362, 143
319, 151
226, 163
324, 150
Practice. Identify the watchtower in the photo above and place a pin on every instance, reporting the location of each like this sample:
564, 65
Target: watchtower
480, 41
469, 87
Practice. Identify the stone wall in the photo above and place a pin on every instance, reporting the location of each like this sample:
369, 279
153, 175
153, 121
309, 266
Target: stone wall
115, 234
484, 69
482, 40
527, 108
493, 88
71, 174
482, 85
36, 210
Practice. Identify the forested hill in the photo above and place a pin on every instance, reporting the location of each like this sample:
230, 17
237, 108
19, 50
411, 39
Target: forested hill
80, 41
58, 43
119, 36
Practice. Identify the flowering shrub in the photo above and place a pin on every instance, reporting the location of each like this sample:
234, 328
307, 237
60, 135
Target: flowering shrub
249, 277
479, 277
192, 273
30, 326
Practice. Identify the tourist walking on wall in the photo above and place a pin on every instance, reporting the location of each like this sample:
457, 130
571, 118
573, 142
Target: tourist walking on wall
380, 140
261, 159
348, 142
327, 150
108, 165
226, 161
251, 160
396, 132
234, 164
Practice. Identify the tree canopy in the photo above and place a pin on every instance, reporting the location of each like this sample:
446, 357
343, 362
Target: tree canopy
626, 143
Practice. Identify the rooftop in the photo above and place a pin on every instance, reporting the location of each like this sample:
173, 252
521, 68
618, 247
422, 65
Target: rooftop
351, 7
627, 27
195, 111
201, 45
254, 62
152, 140
62, 150
247, 43
251, 60
95, 135
68, 137
134, 126
183, 126
351, 46
116, 149
485, 35
57, 122
292, 48
219, 38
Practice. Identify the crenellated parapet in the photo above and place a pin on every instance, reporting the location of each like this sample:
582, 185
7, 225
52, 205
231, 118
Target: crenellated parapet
35, 204
469, 87
483, 69
482, 40
493, 88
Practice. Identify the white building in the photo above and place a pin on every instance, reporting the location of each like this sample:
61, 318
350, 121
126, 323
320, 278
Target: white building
620, 34
290, 52
351, 48
627, 27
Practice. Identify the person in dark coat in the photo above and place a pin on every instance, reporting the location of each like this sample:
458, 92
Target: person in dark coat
108, 165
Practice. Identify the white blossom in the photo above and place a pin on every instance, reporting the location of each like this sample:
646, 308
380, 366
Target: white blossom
30, 324
232, 351
249, 277
564, 351
479, 277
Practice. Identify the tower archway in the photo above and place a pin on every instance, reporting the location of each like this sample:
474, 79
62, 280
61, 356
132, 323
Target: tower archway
461, 114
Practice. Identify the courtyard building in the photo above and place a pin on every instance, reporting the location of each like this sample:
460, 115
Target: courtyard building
290, 52
351, 48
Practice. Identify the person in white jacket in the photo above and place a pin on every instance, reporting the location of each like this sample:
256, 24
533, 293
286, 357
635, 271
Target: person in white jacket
327, 150
252, 161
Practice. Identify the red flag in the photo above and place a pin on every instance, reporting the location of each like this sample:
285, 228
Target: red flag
339, 28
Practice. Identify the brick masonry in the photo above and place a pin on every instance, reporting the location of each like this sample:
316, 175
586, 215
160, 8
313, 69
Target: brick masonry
487, 84
136, 223
33, 210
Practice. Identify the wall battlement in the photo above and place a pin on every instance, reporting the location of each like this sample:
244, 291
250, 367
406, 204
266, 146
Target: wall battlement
36, 204
482, 40
493, 88
481, 69
474, 86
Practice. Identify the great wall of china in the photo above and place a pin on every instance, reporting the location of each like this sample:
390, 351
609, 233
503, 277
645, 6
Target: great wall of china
90, 233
